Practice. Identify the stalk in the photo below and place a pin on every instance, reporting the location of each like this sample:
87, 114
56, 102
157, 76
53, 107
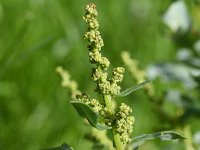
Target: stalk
118, 144
116, 139
108, 103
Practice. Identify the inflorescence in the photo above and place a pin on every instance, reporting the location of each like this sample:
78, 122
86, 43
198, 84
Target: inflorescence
121, 121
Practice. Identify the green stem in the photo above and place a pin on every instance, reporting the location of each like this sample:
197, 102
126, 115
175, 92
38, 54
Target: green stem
117, 143
108, 102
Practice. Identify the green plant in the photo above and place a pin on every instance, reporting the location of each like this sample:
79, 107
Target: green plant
105, 114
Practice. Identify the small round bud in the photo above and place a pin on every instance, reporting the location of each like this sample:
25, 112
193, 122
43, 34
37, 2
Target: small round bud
104, 62
95, 57
91, 9
118, 74
115, 89
124, 122
99, 75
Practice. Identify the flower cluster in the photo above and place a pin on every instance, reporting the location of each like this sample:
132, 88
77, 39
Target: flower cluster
124, 122
118, 74
93, 103
104, 85
94, 37
120, 121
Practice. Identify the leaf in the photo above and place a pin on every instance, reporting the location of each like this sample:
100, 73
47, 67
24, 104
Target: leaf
163, 136
64, 146
134, 88
87, 112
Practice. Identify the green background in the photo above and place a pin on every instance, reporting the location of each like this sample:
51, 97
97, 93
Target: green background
38, 35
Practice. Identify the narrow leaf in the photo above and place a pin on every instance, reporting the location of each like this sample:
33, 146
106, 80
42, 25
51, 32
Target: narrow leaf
163, 136
87, 112
134, 88
64, 146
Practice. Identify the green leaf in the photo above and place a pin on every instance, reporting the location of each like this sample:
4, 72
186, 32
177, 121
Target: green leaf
163, 136
87, 112
134, 88
64, 146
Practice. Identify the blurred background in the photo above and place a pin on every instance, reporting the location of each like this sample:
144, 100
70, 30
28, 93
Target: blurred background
38, 35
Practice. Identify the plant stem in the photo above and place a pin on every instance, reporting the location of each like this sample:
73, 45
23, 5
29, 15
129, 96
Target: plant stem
108, 103
117, 143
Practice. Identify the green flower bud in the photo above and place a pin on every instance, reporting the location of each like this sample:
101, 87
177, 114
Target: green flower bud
130, 121
118, 70
125, 109
115, 89
104, 63
94, 24
124, 122
118, 74
98, 75
95, 57
83, 98
104, 87
124, 138
96, 106
91, 9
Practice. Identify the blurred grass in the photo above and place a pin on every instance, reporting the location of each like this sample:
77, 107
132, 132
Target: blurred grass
38, 35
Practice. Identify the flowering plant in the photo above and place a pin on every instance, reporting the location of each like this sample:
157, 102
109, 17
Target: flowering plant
104, 114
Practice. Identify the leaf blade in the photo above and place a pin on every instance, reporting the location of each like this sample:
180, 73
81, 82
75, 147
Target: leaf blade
87, 112
136, 142
163, 136
134, 88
